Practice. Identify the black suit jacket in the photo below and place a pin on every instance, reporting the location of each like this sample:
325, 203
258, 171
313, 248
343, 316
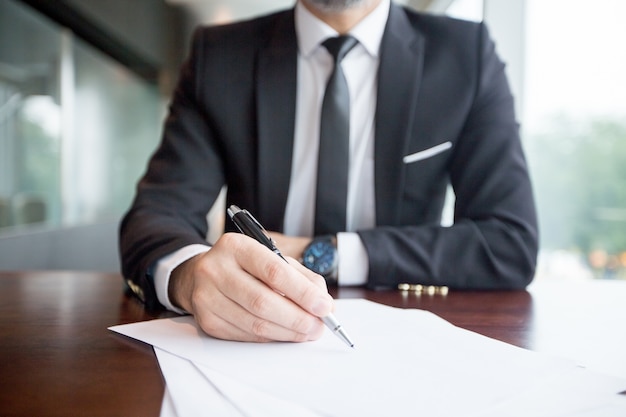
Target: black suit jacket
231, 121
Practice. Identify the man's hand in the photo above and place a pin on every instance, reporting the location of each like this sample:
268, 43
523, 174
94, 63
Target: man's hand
240, 290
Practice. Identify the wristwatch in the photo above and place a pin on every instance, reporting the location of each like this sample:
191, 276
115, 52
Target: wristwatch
321, 256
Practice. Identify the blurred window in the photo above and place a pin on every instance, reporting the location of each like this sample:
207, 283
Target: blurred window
574, 129
76, 127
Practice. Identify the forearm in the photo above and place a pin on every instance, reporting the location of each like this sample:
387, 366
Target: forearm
485, 254
146, 237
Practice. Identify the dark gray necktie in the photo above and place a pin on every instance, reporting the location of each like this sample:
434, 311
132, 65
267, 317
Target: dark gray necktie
334, 149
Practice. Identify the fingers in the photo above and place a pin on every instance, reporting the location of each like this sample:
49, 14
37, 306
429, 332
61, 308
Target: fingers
316, 279
231, 321
243, 291
293, 281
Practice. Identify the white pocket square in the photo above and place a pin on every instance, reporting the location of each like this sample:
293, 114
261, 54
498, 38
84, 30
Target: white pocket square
427, 153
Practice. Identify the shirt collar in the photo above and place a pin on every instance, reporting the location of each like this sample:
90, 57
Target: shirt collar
311, 31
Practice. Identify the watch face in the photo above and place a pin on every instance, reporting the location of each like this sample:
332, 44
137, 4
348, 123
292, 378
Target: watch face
320, 257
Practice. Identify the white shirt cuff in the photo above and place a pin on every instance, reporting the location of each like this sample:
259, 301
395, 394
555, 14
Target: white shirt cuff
353, 260
164, 268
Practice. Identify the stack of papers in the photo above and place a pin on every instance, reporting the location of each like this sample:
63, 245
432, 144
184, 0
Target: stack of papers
406, 362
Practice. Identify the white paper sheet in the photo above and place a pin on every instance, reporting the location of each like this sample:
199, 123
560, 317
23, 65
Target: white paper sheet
167, 405
196, 393
189, 392
405, 361
578, 393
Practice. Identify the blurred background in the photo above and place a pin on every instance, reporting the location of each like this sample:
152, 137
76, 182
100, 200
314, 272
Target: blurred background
84, 87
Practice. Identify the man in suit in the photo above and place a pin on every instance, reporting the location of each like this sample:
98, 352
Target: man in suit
429, 106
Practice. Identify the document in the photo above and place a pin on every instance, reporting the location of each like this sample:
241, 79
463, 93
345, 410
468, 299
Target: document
406, 362
218, 395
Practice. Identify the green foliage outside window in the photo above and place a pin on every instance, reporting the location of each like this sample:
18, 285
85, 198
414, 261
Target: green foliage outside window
579, 171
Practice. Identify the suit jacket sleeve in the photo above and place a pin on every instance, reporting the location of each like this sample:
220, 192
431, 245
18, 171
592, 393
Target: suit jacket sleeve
175, 194
210, 139
494, 240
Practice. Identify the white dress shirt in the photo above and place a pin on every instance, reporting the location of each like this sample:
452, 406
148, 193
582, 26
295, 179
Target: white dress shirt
360, 67
315, 64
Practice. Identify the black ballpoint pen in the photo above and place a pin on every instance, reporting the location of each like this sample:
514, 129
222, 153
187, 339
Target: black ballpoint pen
249, 226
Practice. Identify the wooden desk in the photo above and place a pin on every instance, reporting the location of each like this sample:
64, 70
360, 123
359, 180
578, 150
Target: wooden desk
59, 359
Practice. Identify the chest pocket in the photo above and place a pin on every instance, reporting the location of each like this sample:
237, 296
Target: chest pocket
425, 172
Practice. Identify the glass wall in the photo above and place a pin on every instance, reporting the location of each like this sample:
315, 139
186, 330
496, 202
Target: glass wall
575, 134
76, 128
30, 118
117, 125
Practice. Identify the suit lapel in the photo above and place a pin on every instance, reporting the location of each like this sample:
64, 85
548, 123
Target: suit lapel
276, 103
399, 75
400, 72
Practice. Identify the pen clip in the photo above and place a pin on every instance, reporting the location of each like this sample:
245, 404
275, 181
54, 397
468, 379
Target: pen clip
247, 213
261, 228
